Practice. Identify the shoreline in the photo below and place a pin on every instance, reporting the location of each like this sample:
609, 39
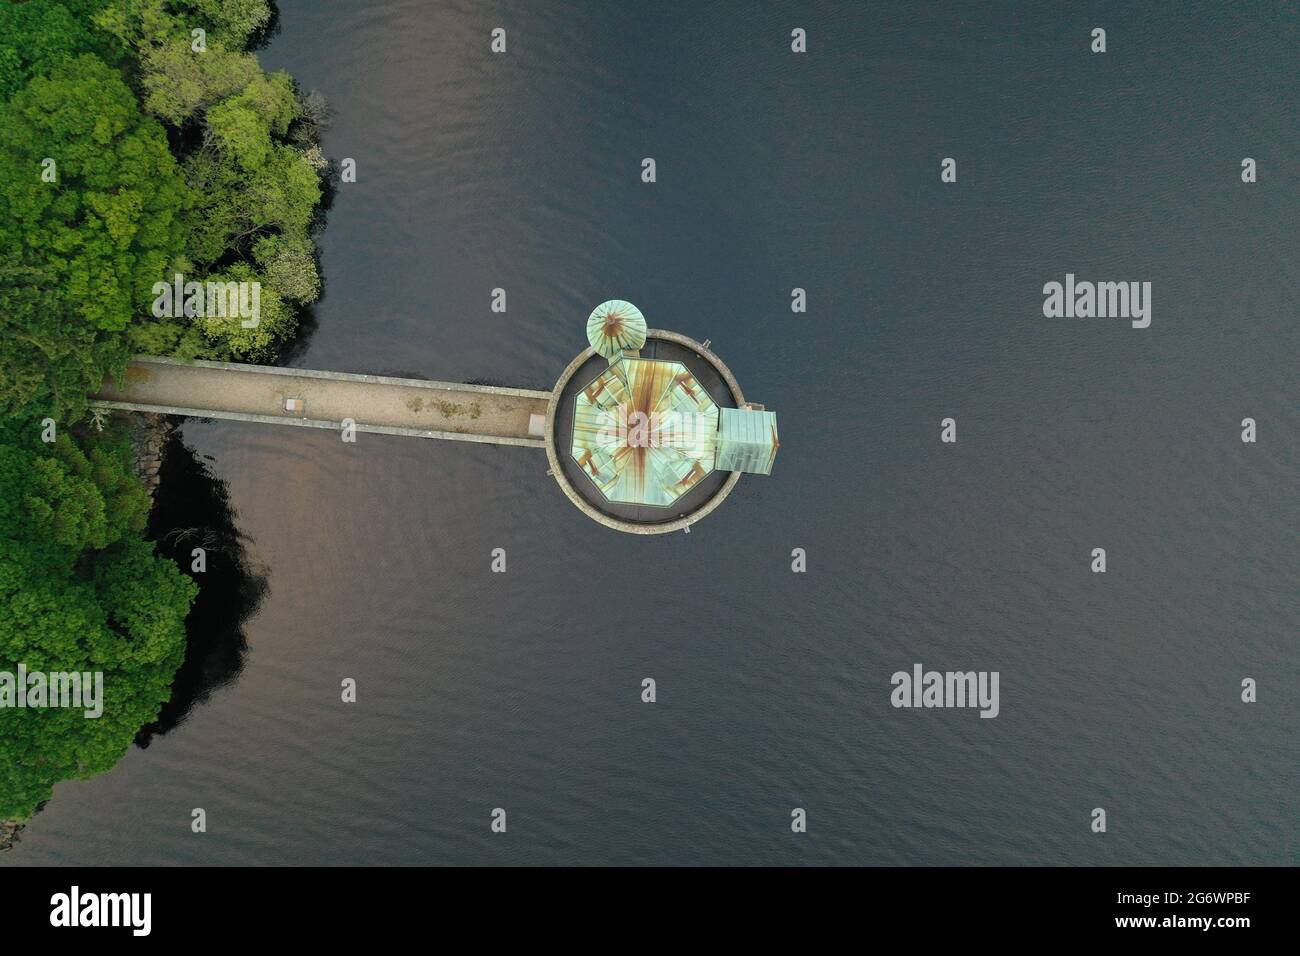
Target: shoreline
149, 434
9, 834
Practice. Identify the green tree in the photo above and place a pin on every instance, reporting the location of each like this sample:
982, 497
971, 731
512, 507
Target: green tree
80, 591
255, 179
83, 251
289, 265
226, 339
180, 84
35, 37
228, 24
248, 184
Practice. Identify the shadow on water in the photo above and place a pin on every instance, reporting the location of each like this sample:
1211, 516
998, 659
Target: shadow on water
192, 510
292, 351
269, 31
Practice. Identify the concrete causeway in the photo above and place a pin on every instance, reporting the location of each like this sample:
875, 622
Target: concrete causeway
376, 403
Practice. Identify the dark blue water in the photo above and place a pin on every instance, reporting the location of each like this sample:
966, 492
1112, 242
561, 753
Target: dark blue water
775, 171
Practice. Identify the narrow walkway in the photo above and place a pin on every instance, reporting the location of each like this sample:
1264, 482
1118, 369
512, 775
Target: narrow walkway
376, 403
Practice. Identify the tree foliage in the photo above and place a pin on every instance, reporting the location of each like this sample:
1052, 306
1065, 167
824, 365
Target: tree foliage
168, 159
228, 24
80, 591
256, 187
35, 37
234, 189
85, 249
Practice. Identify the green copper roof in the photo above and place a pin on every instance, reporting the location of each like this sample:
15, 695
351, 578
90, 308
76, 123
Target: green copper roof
645, 431
747, 441
616, 327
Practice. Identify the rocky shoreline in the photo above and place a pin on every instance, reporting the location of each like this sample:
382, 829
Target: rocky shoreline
9, 834
149, 434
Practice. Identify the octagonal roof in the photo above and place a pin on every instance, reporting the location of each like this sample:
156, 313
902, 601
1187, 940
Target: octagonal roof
645, 431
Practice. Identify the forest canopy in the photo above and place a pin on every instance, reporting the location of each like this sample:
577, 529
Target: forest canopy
140, 139
145, 140
80, 590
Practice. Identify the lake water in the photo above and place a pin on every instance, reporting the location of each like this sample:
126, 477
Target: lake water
775, 171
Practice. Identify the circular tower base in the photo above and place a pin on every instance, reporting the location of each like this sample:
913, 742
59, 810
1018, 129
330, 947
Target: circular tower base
707, 493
